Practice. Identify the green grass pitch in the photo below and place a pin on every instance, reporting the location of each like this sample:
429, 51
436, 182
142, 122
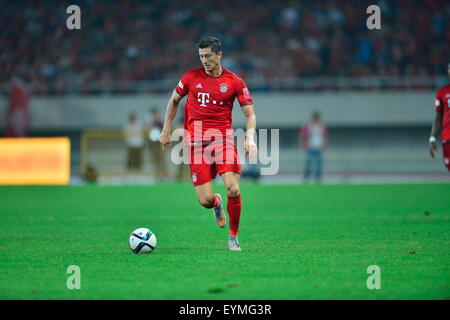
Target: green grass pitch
299, 242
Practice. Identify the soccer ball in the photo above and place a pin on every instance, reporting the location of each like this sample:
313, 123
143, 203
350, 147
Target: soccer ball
142, 240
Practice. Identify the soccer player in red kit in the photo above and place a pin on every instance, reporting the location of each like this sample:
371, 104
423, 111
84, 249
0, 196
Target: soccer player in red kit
442, 119
211, 91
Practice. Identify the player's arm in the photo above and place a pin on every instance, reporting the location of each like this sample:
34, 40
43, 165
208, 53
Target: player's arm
434, 132
171, 112
250, 145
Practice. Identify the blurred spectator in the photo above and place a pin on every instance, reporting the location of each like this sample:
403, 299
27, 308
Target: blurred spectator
91, 174
127, 41
313, 137
135, 142
183, 173
155, 124
17, 118
251, 171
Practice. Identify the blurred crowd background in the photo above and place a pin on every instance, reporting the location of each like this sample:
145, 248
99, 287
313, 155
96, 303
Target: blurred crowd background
143, 46
373, 89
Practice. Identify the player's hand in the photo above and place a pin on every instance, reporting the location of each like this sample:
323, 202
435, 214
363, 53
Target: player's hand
433, 148
250, 148
165, 140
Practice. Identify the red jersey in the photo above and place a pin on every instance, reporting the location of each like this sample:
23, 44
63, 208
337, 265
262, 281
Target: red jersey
210, 102
443, 104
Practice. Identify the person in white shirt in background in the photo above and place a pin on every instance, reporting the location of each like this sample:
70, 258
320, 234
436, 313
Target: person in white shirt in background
314, 136
134, 137
154, 126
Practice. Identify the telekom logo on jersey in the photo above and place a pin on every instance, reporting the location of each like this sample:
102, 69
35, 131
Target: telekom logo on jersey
203, 97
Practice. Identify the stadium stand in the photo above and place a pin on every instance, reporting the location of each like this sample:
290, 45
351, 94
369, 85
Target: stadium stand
131, 53
142, 46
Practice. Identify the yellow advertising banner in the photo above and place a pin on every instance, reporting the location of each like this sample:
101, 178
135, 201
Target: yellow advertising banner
34, 161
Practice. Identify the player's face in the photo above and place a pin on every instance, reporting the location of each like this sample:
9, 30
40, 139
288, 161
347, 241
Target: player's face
210, 60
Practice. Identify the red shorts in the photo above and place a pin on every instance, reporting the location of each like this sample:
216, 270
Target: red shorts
446, 152
208, 159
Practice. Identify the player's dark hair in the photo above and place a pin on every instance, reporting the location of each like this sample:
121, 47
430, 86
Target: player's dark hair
210, 42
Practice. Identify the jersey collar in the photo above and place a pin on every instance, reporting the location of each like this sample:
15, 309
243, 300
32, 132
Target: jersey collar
223, 71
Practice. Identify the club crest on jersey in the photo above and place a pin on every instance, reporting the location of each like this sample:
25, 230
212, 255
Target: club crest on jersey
223, 87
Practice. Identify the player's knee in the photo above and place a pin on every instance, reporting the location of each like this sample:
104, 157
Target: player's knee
233, 190
206, 202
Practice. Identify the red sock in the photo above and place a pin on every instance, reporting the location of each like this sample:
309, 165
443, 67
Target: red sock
234, 207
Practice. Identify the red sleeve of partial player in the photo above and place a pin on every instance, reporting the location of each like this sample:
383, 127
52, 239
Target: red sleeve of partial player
439, 102
183, 85
242, 93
